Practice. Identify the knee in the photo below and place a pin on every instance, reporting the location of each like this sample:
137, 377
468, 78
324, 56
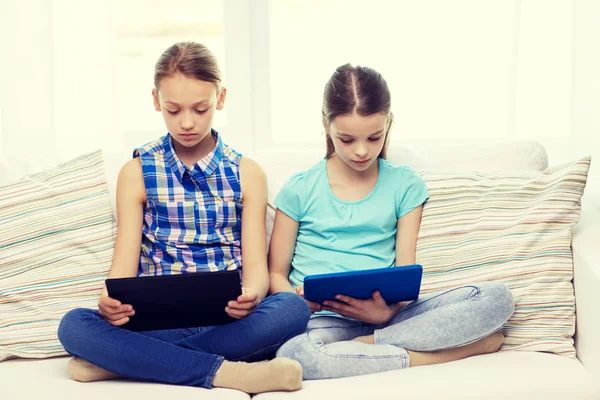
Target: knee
293, 312
288, 349
297, 349
294, 303
304, 352
71, 327
500, 298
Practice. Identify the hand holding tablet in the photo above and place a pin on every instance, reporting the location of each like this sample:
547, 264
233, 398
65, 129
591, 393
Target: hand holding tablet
177, 301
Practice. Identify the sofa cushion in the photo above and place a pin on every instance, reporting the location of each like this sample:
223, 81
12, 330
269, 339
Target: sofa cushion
499, 376
56, 243
480, 156
514, 228
483, 156
49, 380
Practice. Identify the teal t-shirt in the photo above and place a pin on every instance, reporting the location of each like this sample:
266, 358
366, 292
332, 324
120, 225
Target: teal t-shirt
336, 235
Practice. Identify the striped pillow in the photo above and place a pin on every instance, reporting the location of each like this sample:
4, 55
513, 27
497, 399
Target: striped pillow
514, 228
56, 243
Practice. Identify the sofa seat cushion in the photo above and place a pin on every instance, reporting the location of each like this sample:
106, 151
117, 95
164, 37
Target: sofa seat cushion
511, 375
48, 379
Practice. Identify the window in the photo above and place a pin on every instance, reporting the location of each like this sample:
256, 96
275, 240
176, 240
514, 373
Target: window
445, 71
455, 68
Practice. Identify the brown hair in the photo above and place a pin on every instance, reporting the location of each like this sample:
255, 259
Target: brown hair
356, 89
191, 59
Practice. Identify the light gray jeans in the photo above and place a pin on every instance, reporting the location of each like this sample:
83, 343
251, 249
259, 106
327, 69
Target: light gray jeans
437, 321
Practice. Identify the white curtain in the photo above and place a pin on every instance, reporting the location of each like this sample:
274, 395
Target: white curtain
57, 81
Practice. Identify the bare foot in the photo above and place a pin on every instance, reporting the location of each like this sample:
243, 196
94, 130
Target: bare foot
84, 371
489, 344
369, 339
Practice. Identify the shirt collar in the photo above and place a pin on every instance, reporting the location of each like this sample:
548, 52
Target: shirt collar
207, 165
210, 162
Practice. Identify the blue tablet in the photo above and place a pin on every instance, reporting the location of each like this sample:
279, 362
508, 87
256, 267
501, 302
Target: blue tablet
395, 284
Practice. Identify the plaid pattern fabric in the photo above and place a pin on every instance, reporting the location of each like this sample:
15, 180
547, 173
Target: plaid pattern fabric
192, 222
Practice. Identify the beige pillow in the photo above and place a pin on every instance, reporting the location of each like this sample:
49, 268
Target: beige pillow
514, 228
57, 235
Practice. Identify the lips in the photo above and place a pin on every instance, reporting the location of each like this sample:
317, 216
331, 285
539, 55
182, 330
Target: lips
360, 161
188, 135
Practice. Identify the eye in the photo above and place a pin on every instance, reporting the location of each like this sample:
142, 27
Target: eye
173, 112
346, 140
201, 111
374, 139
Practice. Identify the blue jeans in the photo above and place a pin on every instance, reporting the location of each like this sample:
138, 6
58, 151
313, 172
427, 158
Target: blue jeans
183, 356
438, 321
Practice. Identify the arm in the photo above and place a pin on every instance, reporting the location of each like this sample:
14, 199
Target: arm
407, 230
281, 250
254, 231
131, 198
255, 276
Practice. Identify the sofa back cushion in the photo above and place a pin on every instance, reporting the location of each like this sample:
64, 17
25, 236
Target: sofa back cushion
279, 164
482, 156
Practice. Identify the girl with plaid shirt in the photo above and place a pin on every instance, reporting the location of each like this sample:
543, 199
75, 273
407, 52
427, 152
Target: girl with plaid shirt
179, 203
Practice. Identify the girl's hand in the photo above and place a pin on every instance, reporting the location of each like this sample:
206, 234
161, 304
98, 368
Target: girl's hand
314, 307
113, 311
374, 310
243, 305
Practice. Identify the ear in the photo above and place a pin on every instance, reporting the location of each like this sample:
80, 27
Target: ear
221, 101
156, 99
325, 126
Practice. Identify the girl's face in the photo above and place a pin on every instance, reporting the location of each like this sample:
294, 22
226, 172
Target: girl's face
188, 106
358, 139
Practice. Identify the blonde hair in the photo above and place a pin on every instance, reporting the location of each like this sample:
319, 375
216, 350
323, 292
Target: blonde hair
191, 59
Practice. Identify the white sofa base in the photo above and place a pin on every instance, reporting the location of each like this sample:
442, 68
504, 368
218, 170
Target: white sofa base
511, 375
49, 379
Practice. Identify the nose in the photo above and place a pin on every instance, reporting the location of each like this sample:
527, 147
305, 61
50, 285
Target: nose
187, 121
360, 150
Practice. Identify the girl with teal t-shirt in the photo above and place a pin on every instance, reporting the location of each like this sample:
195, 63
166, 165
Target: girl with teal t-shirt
356, 210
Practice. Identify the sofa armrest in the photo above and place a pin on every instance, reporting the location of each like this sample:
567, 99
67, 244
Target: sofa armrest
586, 260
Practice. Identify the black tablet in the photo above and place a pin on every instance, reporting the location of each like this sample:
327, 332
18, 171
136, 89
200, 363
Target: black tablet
177, 301
395, 284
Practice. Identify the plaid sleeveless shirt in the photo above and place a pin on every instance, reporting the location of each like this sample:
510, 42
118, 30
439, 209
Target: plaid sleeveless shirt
192, 221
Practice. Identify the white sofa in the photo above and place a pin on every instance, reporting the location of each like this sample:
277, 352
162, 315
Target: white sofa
514, 375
